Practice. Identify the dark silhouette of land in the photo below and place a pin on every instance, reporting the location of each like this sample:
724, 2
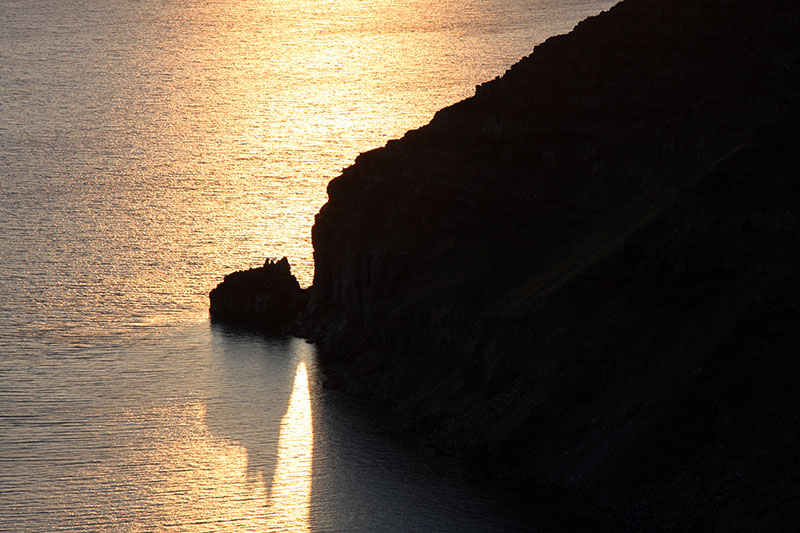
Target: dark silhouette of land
268, 297
586, 276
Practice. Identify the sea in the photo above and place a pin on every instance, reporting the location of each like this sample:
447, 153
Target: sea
149, 147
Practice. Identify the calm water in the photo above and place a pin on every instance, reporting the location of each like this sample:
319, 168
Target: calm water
149, 147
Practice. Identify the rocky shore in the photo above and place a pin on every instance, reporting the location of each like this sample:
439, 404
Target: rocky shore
268, 298
586, 275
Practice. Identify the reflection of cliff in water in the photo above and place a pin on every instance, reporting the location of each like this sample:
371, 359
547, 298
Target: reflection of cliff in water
331, 463
250, 396
370, 473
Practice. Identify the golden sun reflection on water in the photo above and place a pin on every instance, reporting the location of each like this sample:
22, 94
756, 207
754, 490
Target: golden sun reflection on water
206, 482
290, 498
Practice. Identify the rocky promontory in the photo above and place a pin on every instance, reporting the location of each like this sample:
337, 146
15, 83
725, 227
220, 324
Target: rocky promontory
586, 275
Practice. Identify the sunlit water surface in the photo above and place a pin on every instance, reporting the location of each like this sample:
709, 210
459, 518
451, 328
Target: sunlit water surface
147, 148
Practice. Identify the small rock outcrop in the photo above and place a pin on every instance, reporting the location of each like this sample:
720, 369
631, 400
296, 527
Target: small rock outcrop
267, 297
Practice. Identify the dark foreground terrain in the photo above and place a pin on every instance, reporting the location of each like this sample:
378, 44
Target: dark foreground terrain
587, 275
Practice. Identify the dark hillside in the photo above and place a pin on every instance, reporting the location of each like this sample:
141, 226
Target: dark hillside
587, 274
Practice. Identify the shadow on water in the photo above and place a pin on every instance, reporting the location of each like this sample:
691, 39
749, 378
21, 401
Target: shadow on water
376, 476
250, 394
334, 463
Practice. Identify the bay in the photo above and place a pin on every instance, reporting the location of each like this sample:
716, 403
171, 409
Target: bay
146, 149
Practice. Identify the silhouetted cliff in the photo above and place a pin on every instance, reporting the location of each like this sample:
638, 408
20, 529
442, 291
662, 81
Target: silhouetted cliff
587, 274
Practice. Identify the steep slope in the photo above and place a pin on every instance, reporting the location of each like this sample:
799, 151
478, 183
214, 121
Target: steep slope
586, 274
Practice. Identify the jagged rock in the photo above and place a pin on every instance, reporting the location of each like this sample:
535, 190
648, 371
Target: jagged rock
267, 297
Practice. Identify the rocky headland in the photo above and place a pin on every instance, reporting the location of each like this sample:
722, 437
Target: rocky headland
586, 275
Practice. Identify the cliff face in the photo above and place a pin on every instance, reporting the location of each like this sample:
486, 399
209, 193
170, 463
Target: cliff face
587, 274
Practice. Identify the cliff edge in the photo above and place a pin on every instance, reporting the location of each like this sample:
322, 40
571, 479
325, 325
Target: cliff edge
586, 275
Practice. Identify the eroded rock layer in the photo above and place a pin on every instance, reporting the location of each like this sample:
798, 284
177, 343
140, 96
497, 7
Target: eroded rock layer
587, 274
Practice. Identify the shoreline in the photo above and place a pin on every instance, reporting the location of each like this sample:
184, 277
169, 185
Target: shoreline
578, 275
